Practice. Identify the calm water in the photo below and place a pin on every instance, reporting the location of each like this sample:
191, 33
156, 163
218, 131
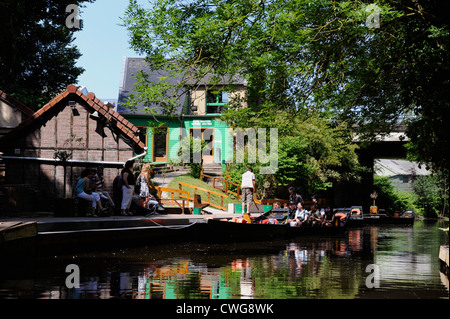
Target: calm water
405, 257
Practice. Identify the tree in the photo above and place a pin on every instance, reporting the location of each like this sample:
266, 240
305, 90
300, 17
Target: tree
37, 58
432, 194
328, 56
313, 155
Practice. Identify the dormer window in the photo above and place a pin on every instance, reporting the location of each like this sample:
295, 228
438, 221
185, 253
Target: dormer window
216, 101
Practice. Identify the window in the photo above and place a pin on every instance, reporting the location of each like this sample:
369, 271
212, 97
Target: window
216, 101
143, 134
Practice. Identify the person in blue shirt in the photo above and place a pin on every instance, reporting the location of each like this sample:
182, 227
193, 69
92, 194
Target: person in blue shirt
85, 190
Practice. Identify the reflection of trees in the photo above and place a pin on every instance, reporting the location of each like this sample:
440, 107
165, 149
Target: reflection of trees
315, 269
312, 271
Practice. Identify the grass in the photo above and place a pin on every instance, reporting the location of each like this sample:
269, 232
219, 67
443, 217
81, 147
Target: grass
215, 199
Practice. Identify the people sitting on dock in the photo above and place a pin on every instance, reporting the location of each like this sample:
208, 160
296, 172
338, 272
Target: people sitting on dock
100, 185
301, 216
85, 190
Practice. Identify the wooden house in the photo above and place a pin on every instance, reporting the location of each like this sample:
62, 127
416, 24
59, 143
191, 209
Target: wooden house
74, 125
198, 113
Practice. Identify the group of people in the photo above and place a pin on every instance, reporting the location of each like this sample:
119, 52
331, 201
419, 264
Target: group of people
298, 215
90, 187
130, 189
136, 188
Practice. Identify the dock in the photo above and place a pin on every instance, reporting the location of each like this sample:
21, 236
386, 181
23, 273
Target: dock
56, 235
443, 257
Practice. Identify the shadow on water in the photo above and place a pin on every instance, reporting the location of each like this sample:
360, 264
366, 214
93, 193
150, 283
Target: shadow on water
405, 258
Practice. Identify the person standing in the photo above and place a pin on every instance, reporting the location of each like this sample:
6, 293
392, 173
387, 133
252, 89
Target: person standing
294, 197
144, 192
128, 182
248, 187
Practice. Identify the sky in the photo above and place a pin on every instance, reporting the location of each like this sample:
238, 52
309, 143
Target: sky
103, 45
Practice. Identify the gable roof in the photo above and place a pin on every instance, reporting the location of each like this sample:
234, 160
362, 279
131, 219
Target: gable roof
128, 130
132, 66
13, 102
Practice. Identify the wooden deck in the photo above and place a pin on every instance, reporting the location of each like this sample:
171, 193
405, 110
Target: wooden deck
443, 256
65, 234
17, 230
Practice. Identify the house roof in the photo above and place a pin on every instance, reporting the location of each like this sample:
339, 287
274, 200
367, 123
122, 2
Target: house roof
13, 102
133, 65
389, 168
72, 92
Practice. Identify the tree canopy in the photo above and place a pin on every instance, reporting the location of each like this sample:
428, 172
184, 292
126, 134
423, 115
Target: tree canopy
37, 58
371, 64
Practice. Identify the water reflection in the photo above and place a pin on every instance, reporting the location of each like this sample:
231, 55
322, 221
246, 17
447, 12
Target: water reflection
304, 268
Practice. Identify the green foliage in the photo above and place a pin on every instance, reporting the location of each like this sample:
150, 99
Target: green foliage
303, 55
388, 198
432, 194
313, 155
37, 58
196, 147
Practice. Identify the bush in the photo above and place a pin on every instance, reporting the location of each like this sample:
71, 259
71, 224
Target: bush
388, 198
432, 195
188, 142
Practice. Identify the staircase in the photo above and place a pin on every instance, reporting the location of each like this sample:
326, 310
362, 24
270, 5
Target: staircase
213, 170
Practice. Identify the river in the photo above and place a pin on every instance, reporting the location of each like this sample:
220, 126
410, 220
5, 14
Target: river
367, 262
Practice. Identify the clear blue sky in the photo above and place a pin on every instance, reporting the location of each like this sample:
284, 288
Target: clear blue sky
103, 44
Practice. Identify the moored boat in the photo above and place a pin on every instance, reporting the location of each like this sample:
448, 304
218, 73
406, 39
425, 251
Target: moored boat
274, 228
356, 216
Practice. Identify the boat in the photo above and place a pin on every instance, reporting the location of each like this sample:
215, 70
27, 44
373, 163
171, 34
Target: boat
356, 216
267, 227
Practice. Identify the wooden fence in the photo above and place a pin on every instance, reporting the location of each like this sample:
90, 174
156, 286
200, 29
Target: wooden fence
208, 192
178, 197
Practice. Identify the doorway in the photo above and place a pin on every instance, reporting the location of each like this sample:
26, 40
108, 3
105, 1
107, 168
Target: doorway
161, 144
207, 135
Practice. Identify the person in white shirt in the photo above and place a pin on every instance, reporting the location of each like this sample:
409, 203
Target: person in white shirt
248, 186
301, 216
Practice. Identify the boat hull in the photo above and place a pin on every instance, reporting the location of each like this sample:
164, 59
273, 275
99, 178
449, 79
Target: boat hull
224, 231
375, 219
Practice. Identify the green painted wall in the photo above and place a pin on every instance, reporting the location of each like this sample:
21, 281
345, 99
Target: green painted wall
223, 140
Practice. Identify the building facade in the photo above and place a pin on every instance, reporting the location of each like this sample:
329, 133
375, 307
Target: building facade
197, 115
73, 125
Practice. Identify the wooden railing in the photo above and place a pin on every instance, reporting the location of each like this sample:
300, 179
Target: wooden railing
208, 192
227, 183
181, 200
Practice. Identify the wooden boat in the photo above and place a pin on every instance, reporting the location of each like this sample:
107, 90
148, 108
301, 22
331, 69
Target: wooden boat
227, 231
358, 218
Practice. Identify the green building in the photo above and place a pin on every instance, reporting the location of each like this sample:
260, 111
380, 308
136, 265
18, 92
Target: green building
198, 115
